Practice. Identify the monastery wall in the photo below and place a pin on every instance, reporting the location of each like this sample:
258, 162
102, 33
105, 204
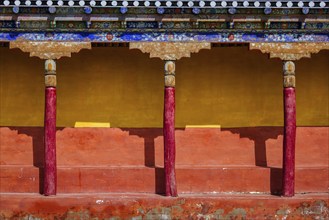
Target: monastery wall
226, 86
238, 89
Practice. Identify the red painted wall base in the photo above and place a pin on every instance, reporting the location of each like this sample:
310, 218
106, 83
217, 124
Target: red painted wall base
207, 160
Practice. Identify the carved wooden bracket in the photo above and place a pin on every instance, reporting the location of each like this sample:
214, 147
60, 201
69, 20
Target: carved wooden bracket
170, 50
49, 49
289, 51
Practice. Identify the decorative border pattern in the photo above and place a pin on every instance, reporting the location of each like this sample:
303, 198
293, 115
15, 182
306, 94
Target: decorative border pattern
120, 37
168, 4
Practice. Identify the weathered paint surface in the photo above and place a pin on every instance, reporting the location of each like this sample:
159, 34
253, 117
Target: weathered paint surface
50, 176
212, 147
153, 207
289, 139
169, 141
207, 160
236, 88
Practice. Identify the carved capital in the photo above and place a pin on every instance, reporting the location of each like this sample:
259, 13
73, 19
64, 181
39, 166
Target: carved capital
50, 81
50, 73
289, 51
289, 68
50, 66
170, 50
289, 79
49, 49
170, 73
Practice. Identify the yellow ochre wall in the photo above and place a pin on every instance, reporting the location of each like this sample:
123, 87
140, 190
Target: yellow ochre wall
227, 86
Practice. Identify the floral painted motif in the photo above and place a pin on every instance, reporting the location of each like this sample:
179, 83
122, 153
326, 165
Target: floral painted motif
168, 37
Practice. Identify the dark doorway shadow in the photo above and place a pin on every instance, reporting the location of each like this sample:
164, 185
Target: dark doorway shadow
259, 135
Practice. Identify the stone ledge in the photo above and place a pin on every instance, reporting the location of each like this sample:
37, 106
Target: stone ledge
149, 206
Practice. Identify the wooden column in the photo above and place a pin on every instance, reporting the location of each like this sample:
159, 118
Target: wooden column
289, 136
288, 52
50, 174
50, 51
169, 51
169, 129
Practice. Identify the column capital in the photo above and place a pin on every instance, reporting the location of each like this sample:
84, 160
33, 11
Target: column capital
50, 73
170, 50
170, 73
289, 51
49, 50
289, 79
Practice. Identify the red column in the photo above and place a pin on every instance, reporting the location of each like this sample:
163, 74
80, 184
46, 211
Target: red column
169, 129
50, 172
288, 180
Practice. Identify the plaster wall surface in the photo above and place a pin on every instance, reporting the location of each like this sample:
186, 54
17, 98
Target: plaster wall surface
131, 160
226, 86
